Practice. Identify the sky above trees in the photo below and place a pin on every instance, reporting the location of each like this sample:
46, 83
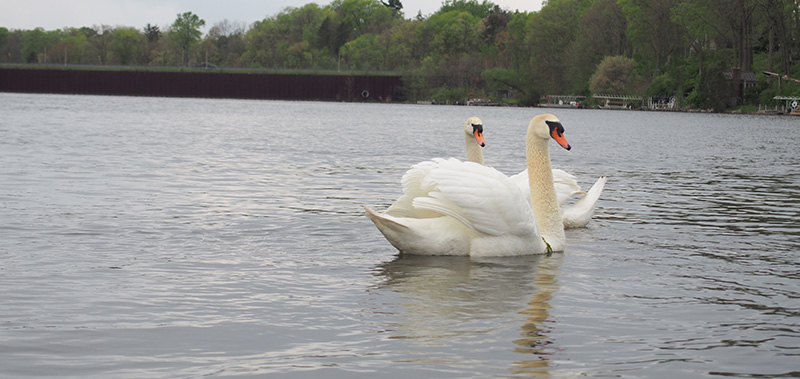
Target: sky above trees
31, 14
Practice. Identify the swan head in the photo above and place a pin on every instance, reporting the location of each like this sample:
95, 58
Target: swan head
546, 126
474, 128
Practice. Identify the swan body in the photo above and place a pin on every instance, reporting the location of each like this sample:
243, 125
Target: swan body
450, 207
451, 218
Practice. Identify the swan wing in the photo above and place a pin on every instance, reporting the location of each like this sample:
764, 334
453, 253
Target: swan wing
414, 185
579, 214
576, 215
481, 198
521, 180
565, 184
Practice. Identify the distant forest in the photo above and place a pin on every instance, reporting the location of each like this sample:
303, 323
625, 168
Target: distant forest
662, 49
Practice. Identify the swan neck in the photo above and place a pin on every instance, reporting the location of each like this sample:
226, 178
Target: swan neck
543, 193
474, 151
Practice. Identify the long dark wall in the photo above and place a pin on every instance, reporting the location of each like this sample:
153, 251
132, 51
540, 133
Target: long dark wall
202, 84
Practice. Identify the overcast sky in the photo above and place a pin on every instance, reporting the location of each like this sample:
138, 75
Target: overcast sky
56, 14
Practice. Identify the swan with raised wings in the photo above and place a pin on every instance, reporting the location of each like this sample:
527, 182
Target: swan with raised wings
574, 215
449, 207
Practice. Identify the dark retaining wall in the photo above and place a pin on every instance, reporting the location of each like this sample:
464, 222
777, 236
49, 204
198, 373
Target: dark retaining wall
202, 84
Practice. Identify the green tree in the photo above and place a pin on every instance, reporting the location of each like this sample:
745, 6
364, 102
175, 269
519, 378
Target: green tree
289, 40
473, 7
782, 29
153, 35
185, 32
550, 33
740, 18
614, 76
712, 91
709, 24
364, 53
227, 38
358, 17
4, 50
34, 43
494, 38
518, 73
73, 47
518, 33
600, 33
662, 87
502, 79
12, 52
494, 25
454, 32
406, 45
453, 59
261, 42
302, 24
653, 35
126, 45
100, 38
327, 37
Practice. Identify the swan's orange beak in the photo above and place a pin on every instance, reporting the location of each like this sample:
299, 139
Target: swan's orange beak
562, 141
479, 137
557, 132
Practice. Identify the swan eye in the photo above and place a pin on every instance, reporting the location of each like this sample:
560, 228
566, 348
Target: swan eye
555, 127
477, 128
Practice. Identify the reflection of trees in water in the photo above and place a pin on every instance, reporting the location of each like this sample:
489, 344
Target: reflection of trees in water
535, 340
458, 301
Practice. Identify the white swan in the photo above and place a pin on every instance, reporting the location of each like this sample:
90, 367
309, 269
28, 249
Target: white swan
575, 215
449, 207
473, 139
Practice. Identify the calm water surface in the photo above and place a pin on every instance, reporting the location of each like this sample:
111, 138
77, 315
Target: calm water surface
151, 237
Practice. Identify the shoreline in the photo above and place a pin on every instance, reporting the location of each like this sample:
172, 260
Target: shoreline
260, 85
760, 112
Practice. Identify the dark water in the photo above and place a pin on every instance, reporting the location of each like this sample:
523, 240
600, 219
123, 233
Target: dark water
150, 237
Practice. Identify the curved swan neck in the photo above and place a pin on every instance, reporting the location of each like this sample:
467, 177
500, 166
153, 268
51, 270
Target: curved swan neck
474, 151
543, 193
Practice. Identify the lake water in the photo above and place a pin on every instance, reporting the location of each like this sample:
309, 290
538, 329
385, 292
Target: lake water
152, 237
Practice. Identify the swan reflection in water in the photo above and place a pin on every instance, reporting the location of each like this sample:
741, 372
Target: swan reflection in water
535, 340
474, 305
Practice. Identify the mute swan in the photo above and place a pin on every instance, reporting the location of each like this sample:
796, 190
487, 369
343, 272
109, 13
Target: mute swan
473, 139
449, 207
576, 215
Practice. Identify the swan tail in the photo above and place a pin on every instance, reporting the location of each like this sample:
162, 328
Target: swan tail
383, 221
397, 231
580, 213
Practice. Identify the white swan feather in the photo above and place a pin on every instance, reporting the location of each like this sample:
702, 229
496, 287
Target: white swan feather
579, 213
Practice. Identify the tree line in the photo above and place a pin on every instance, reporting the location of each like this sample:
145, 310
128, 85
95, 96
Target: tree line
665, 49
